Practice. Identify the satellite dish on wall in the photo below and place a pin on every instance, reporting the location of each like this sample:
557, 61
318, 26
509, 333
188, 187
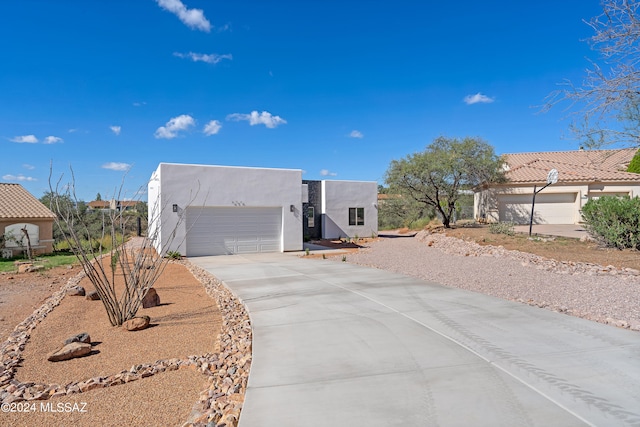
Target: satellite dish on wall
552, 176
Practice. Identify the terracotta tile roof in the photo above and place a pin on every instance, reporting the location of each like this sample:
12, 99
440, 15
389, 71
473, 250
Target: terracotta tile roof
98, 204
573, 166
16, 202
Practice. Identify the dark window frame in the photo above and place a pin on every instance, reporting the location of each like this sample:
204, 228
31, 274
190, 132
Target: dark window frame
311, 218
356, 216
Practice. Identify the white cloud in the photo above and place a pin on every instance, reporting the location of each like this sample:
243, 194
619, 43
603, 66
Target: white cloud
18, 178
212, 128
356, 134
114, 166
193, 18
139, 104
225, 27
28, 166
211, 58
478, 98
172, 127
326, 172
52, 140
115, 129
255, 118
29, 139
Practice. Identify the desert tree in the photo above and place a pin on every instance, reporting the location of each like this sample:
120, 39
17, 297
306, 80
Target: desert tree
439, 176
606, 105
121, 271
397, 210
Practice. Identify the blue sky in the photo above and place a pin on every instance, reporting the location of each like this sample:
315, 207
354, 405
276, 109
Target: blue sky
335, 88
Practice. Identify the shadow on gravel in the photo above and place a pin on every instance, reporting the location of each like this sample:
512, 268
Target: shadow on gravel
393, 236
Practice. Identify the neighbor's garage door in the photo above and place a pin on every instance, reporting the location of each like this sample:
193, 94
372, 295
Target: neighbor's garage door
233, 230
549, 209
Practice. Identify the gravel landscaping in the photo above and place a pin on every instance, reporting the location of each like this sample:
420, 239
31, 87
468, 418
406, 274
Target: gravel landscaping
600, 293
199, 316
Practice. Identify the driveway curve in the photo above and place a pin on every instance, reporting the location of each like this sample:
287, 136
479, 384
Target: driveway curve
343, 345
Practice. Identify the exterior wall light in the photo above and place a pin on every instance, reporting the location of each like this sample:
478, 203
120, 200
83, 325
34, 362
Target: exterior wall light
175, 207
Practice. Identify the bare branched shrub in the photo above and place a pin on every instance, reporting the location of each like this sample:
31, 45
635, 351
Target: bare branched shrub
121, 271
606, 104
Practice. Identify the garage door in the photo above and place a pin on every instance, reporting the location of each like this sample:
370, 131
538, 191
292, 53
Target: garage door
233, 230
549, 209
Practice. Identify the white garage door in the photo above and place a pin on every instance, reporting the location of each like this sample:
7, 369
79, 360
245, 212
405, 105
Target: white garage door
233, 230
549, 209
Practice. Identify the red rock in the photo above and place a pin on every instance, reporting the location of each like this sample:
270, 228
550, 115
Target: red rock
70, 351
93, 296
76, 291
151, 299
137, 323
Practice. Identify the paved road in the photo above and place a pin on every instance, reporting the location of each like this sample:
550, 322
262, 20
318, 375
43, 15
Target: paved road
337, 344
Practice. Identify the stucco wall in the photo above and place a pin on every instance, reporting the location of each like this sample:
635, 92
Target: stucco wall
338, 197
44, 238
202, 185
486, 200
154, 231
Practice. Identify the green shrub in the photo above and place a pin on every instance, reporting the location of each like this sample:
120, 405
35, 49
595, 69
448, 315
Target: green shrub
173, 255
634, 165
92, 246
502, 228
614, 221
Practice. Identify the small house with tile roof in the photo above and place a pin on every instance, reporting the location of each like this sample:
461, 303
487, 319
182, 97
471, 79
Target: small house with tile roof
22, 215
583, 175
114, 205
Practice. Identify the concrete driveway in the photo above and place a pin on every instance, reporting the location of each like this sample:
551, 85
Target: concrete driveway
575, 231
337, 344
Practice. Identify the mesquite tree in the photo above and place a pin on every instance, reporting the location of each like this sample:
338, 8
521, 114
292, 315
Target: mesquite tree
121, 271
438, 176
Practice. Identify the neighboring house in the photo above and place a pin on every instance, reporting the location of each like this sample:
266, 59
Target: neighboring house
19, 210
114, 205
583, 175
211, 210
100, 205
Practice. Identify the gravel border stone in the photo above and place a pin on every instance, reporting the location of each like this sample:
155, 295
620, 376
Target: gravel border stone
227, 371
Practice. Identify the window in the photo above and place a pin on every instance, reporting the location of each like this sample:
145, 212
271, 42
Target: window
311, 217
356, 216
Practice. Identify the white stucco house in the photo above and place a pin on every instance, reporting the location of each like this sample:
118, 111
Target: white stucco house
583, 175
199, 210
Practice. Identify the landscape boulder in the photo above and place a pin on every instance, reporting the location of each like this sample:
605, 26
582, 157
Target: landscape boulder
76, 291
81, 337
151, 299
24, 267
70, 351
137, 323
93, 296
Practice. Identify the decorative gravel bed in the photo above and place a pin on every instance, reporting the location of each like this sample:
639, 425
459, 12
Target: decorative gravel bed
226, 371
600, 293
